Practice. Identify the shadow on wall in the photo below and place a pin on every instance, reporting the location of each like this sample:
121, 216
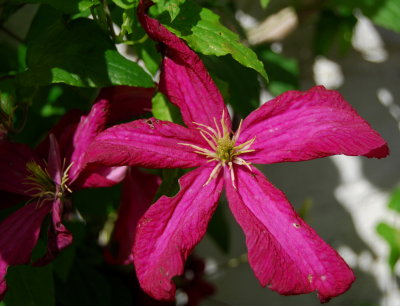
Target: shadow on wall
349, 194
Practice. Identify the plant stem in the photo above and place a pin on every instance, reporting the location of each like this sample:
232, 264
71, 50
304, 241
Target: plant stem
11, 34
107, 16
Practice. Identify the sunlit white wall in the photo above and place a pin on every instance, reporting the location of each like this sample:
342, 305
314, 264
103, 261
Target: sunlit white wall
349, 195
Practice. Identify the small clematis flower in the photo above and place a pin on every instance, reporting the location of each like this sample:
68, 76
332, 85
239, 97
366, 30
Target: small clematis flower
284, 252
48, 175
45, 185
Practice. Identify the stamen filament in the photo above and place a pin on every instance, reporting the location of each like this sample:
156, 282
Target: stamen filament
232, 174
237, 134
213, 174
211, 160
212, 145
65, 177
241, 161
245, 145
43, 186
202, 153
218, 130
245, 151
224, 126
207, 127
197, 148
222, 148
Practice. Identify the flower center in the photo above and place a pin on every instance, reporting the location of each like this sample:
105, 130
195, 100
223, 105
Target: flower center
43, 186
223, 147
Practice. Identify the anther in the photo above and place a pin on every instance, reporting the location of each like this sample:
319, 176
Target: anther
221, 147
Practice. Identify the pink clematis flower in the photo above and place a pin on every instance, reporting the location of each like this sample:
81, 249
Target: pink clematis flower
48, 175
284, 252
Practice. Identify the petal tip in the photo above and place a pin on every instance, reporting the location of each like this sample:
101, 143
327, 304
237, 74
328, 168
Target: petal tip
327, 292
380, 152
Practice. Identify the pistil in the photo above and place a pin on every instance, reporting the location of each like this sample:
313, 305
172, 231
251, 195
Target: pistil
222, 148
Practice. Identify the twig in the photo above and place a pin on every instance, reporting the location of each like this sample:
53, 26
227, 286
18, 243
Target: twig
11, 34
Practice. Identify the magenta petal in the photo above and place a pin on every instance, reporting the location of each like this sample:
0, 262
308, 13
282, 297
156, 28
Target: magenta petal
95, 176
113, 104
19, 234
183, 78
13, 160
138, 193
299, 126
87, 129
76, 131
191, 88
58, 236
147, 142
285, 253
54, 166
170, 229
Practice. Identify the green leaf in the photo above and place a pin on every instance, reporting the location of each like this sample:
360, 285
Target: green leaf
79, 54
218, 229
243, 85
132, 33
13, 60
264, 3
148, 53
94, 204
387, 15
9, 60
382, 12
171, 6
169, 185
331, 29
30, 286
283, 71
392, 237
223, 87
126, 4
84, 5
66, 6
164, 110
85, 286
46, 106
7, 96
127, 21
394, 202
204, 33
44, 18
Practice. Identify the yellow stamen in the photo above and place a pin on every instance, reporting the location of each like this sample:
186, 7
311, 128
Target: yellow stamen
232, 174
222, 147
212, 144
216, 125
207, 127
213, 174
42, 185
